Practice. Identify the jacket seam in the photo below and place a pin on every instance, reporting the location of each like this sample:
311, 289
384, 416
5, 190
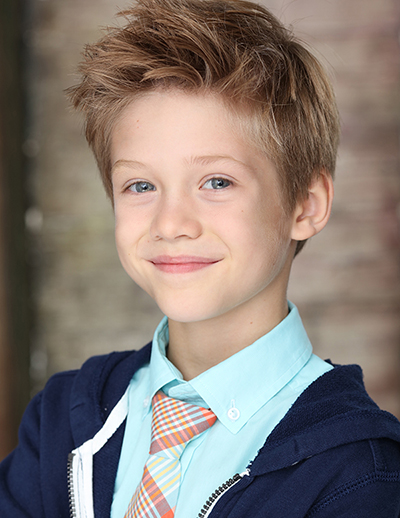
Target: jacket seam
379, 461
98, 384
98, 387
353, 486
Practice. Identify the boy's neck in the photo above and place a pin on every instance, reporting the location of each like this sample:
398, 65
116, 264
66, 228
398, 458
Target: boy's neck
197, 346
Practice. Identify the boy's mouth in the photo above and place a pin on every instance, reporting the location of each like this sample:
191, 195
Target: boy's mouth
181, 263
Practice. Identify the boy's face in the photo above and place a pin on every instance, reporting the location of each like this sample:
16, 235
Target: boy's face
200, 223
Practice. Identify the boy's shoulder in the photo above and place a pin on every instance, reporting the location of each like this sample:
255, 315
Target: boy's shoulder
334, 411
90, 393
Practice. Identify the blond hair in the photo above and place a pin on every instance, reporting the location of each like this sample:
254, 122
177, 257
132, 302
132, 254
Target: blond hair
233, 48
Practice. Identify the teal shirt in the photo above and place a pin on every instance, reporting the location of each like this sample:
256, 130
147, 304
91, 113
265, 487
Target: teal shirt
250, 393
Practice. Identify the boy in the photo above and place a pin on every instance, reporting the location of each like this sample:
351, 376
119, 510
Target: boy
215, 133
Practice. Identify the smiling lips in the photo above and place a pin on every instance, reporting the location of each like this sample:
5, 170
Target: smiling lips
182, 263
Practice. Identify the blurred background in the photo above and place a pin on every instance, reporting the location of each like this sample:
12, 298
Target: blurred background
63, 294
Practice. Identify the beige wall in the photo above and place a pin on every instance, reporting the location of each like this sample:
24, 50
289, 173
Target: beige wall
346, 282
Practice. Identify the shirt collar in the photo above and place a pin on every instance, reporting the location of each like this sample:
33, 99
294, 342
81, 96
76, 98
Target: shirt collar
227, 388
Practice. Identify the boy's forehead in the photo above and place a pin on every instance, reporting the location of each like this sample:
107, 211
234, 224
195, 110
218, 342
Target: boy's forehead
186, 109
202, 126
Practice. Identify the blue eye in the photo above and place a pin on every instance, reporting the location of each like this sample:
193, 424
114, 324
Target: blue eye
141, 187
217, 183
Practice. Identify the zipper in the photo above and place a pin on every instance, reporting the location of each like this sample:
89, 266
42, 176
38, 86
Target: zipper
80, 463
71, 494
217, 494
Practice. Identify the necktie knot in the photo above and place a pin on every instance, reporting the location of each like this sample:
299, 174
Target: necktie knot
175, 423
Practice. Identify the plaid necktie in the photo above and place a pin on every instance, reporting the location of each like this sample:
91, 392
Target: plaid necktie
174, 424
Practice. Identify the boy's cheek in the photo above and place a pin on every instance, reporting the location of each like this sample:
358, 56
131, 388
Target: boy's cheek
124, 247
132, 268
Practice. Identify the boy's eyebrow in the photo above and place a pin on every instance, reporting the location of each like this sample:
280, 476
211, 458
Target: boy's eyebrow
211, 159
133, 164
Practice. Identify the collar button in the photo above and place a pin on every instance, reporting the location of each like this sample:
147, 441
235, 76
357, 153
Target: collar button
233, 414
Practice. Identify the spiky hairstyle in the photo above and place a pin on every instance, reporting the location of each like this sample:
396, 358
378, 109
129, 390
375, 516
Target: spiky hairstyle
233, 48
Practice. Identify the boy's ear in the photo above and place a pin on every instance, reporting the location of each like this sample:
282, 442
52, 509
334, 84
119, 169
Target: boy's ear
312, 213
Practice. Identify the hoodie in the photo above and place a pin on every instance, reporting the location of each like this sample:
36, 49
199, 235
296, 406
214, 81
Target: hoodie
335, 453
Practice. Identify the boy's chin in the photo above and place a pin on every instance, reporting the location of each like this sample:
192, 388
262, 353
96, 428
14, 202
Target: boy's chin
187, 313
185, 317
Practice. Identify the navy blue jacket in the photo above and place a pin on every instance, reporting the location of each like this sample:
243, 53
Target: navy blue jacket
335, 454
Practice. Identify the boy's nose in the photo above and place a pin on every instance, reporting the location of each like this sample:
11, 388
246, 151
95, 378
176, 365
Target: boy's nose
175, 218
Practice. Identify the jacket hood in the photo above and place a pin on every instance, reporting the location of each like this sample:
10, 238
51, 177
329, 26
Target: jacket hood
97, 388
334, 410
